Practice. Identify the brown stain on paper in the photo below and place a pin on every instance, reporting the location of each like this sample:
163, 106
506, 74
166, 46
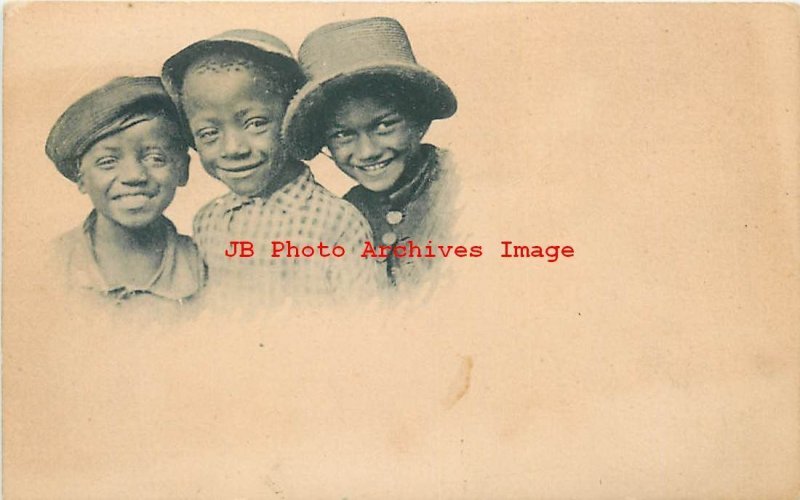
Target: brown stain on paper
460, 385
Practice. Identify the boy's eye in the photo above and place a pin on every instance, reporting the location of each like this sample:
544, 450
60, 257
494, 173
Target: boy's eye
341, 136
258, 124
155, 159
206, 135
106, 162
388, 125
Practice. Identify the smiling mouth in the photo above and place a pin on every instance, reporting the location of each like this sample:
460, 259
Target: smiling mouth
374, 167
238, 170
133, 201
138, 194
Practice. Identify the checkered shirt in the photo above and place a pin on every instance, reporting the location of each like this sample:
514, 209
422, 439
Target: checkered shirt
302, 212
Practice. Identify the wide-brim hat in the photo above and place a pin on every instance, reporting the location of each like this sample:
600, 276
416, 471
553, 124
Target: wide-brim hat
256, 45
91, 118
340, 54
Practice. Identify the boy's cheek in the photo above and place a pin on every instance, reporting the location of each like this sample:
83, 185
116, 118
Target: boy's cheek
210, 169
180, 168
271, 144
207, 163
339, 157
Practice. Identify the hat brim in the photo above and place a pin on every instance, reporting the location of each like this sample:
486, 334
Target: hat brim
302, 124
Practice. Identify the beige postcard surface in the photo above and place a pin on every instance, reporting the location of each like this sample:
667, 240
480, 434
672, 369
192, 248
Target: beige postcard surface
658, 359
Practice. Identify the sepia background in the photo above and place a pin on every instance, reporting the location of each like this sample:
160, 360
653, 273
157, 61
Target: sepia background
660, 141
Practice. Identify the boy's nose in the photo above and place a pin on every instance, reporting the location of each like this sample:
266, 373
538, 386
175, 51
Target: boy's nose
234, 145
132, 172
366, 149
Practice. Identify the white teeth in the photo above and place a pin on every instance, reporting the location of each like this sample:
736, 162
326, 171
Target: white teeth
375, 166
136, 195
133, 200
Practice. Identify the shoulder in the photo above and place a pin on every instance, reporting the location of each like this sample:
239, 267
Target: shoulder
214, 205
211, 209
444, 176
443, 162
61, 250
188, 261
357, 195
188, 253
69, 239
186, 246
66, 255
339, 216
336, 205
442, 154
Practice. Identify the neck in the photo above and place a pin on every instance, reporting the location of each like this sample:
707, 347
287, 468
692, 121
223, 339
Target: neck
108, 233
414, 164
290, 171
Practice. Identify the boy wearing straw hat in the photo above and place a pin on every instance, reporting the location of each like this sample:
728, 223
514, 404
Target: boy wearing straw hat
122, 145
369, 103
233, 90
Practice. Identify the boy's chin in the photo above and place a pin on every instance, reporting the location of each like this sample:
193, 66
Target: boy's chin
134, 220
245, 190
380, 181
135, 223
378, 185
247, 186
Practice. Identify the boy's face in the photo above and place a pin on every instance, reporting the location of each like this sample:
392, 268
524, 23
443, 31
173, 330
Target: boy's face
371, 141
235, 120
131, 176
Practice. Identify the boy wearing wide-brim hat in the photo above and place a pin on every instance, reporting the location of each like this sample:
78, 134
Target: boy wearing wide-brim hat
233, 90
123, 147
370, 103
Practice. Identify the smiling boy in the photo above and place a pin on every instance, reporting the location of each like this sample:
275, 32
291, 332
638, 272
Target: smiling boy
121, 144
370, 103
233, 90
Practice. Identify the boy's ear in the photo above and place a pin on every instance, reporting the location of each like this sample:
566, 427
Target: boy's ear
183, 169
79, 180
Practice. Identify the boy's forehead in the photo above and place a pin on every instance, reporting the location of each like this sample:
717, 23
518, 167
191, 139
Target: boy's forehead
208, 86
232, 62
217, 83
374, 97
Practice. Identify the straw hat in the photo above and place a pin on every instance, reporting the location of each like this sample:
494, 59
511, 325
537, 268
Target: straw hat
340, 53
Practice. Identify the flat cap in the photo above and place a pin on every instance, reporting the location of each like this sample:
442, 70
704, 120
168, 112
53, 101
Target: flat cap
89, 119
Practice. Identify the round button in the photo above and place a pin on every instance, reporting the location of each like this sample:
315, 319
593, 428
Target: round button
389, 238
394, 217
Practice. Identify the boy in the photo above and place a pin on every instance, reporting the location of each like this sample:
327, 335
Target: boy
122, 145
233, 90
370, 104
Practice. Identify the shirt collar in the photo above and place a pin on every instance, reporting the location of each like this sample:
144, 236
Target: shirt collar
172, 280
418, 179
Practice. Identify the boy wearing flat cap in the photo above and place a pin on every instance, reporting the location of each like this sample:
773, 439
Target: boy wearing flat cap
122, 145
370, 103
233, 90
